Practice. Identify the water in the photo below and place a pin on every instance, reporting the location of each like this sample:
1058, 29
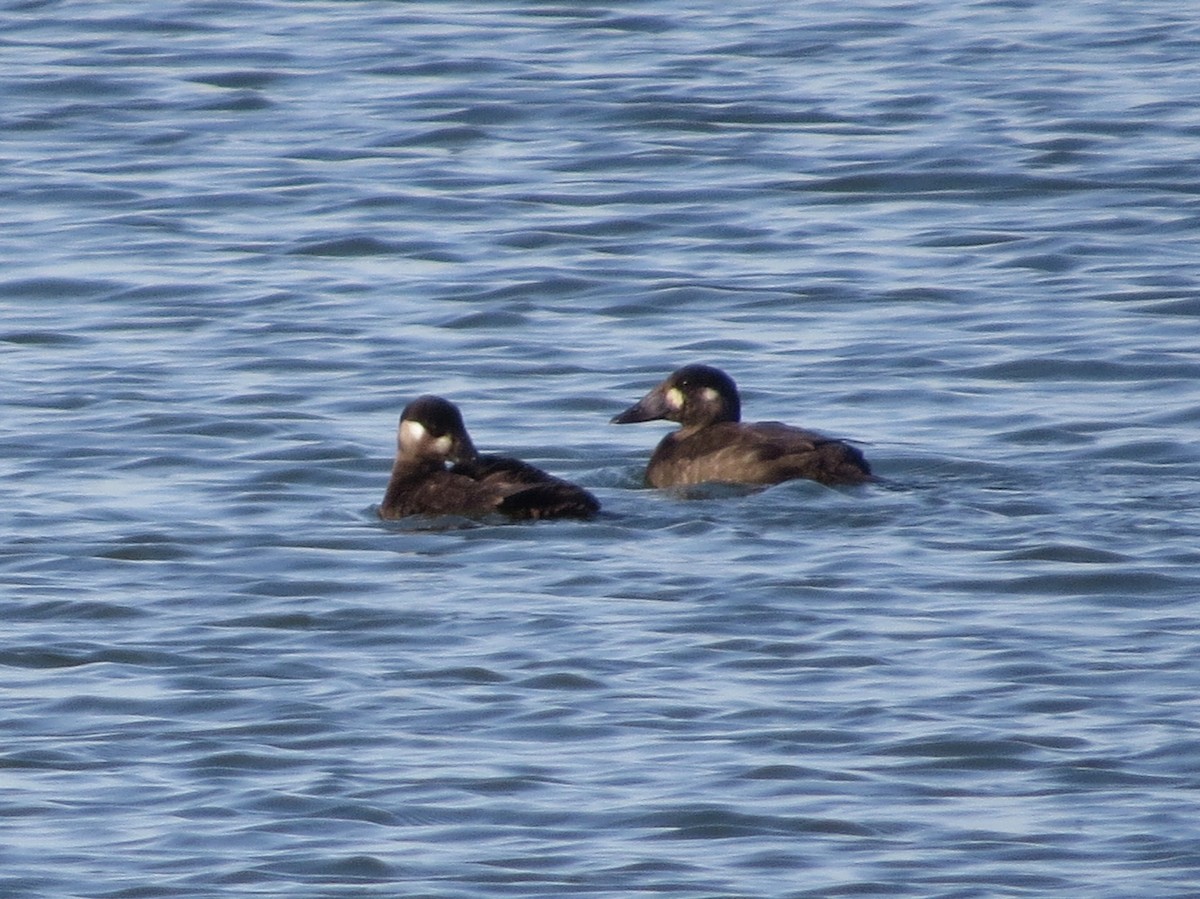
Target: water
238, 237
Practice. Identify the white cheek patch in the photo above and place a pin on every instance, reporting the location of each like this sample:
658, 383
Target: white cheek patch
675, 398
412, 433
710, 395
442, 445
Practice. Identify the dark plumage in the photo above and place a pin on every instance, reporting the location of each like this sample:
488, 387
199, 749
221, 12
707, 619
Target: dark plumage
713, 444
432, 433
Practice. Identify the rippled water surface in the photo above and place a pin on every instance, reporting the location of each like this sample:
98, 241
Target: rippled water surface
237, 238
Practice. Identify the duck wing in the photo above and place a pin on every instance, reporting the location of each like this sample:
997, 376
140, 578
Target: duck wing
554, 499
759, 453
527, 491
438, 492
786, 452
502, 470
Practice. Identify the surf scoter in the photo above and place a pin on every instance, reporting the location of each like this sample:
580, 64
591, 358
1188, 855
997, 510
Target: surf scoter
432, 433
713, 443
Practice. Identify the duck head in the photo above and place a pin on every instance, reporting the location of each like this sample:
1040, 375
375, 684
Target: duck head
432, 429
694, 396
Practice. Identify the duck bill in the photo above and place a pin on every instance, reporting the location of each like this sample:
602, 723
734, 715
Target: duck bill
463, 450
651, 407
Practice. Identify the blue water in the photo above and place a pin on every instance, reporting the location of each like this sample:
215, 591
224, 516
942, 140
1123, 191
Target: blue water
235, 239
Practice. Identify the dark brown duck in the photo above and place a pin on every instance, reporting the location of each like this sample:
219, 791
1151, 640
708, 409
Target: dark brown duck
714, 444
432, 433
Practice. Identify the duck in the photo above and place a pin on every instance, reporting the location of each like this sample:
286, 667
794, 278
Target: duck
713, 444
432, 434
